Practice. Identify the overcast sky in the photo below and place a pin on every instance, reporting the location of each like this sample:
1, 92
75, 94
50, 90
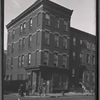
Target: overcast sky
83, 16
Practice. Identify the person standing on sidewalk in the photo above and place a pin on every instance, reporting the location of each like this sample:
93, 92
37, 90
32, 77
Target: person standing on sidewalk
27, 88
40, 90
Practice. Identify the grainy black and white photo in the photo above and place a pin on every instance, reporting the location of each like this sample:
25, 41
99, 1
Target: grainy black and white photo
49, 50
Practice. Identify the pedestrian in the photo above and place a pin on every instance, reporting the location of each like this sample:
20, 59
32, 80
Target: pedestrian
27, 88
40, 90
21, 90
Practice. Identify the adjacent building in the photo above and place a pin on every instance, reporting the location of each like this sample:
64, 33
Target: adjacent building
82, 59
40, 48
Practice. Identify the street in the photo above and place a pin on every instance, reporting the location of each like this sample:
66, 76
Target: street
10, 97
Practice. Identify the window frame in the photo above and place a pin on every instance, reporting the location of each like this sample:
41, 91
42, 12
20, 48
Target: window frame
56, 59
47, 19
46, 57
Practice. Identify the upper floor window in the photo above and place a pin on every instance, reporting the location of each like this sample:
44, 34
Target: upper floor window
55, 59
23, 43
13, 34
30, 40
66, 25
88, 59
24, 26
20, 44
39, 18
46, 57
64, 60
29, 58
65, 42
81, 57
7, 64
9, 35
38, 37
19, 61
47, 18
10, 77
36, 57
73, 72
8, 49
11, 63
57, 22
22, 60
87, 76
21, 76
74, 54
93, 47
56, 38
93, 59
30, 22
47, 37
74, 41
81, 41
12, 49
21, 29
88, 45
93, 76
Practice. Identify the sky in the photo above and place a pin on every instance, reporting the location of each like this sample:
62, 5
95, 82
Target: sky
83, 16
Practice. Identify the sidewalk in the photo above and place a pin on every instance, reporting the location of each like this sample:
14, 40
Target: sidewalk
54, 95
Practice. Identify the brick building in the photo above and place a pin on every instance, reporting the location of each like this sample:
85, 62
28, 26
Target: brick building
39, 46
82, 54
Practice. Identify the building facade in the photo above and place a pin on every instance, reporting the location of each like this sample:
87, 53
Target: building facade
82, 54
39, 47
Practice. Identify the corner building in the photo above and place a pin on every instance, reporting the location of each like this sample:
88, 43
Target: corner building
38, 46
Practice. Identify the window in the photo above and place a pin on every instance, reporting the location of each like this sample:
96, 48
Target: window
8, 48
88, 45
47, 37
21, 29
29, 58
19, 61
30, 40
7, 77
73, 72
81, 57
74, 54
30, 23
93, 77
7, 64
9, 36
23, 43
10, 77
24, 26
66, 25
20, 43
56, 38
87, 76
47, 18
64, 60
18, 77
46, 57
36, 57
57, 23
93, 59
93, 47
38, 38
11, 63
22, 60
65, 42
21, 76
74, 41
55, 59
13, 34
88, 59
81, 41
12, 49
38, 18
